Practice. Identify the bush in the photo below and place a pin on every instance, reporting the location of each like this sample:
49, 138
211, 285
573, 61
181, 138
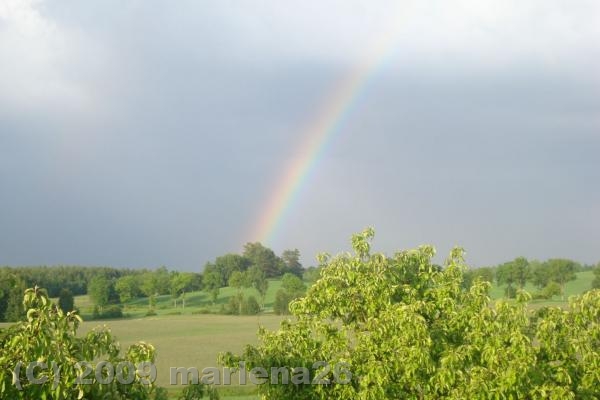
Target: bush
65, 300
283, 298
234, 305
50, 335
202, 310
150, 313
197, 391
113, 311
282, 301
250, 306
510, 292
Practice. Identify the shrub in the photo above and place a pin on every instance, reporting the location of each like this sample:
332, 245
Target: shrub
65, 300
282, 301
202, 310
250, 306
112, 311
50, 335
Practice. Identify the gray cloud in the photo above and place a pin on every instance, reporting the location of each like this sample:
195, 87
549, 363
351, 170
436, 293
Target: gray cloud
147, 133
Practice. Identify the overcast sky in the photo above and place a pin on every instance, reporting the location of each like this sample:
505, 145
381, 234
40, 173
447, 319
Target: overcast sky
146, 133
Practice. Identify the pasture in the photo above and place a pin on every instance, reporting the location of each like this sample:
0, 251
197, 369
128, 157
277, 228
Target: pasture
189, 340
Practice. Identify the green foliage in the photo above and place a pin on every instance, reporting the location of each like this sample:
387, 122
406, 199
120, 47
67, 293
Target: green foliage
65, 300
156, 282
11, 296
486, 274
128, 287
282, 302
110, 312
596, 281
263, 258
562, 271
548, 292
291, 263
258, 280
240, 305
49, 335
99, 290
198, 391
250, 306
54, 278
540, 274
212, 281
292, 283
406, 329
311, 274
513, 273
292, 288
238, 280
230, 263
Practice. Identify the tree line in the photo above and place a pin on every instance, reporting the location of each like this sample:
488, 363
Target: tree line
109, 287
548, 277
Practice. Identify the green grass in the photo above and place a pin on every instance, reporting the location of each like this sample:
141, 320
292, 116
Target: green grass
195, 302
189, 340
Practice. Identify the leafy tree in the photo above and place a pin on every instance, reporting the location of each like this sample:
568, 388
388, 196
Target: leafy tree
128, 287
292, 283
514, 274
11, 296
292, 288
282, 302
596, 281
263, 258
99, 290
257, 278
562, 271
540, 274
486, 274
552, 289
181, 282
49, 335
156, 282
250, 306
520, 270
291, 262
65, 300
311, 274
212, 282
505, 276
238, 280
375, 327
229, 263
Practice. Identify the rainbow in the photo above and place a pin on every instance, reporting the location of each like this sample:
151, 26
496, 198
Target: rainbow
318, 138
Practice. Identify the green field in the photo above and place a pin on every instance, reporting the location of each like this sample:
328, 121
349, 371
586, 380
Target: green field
195, 302
189, 340
190, 336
